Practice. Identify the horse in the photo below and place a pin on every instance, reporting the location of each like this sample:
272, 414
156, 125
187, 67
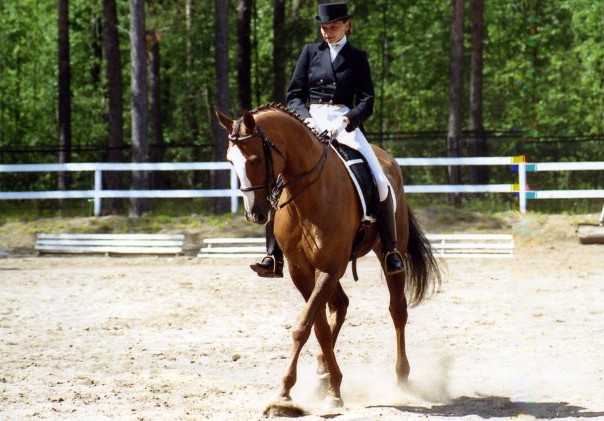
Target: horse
288, 172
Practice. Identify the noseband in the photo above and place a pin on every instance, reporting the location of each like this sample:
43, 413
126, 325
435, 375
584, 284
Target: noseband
275, 186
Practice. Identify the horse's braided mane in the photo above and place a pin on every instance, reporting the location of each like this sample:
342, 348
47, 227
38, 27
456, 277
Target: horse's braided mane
323, 137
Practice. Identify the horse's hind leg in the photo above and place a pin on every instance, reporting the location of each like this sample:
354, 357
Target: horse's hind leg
338, 306
398, 312
332, 376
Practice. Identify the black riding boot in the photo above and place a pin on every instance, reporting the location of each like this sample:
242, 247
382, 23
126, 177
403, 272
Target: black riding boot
271, 265
393, 261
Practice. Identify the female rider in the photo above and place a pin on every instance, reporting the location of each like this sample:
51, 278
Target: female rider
331, 89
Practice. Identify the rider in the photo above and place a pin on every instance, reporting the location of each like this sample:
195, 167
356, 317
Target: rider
332, 89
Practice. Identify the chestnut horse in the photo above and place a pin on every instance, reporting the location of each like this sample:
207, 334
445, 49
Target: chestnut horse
288, 172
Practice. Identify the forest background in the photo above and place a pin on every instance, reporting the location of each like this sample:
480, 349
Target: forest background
541, 82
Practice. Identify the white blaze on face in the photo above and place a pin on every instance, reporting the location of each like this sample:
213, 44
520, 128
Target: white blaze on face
237, 159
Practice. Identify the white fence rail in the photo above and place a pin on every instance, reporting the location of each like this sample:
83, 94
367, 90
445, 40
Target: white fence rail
443, 245
96, 193
565, 166
110, 243
520, 188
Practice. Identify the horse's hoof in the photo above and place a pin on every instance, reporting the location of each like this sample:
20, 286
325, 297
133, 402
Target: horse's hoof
284, 409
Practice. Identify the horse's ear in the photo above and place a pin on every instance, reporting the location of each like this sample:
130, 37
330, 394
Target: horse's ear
224, 121
248, 120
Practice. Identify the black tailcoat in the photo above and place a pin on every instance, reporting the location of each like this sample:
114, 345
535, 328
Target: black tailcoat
316, 80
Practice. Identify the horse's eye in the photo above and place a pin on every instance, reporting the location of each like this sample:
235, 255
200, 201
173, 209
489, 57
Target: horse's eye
255, 160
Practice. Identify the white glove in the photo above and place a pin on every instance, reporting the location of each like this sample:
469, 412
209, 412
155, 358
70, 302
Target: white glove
335, 132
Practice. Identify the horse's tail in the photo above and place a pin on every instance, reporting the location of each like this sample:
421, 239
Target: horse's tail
423, 272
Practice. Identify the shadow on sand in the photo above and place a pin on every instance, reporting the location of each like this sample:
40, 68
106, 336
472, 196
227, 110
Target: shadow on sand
498, 407
493, 407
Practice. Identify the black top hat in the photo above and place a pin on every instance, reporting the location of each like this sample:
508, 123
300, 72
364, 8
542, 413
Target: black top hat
332, 12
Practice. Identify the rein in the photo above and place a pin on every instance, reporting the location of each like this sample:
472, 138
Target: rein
276, 187
281, 185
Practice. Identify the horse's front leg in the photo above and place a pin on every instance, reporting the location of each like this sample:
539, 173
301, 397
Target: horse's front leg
315, 303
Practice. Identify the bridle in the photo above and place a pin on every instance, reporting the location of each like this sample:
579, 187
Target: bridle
276, 185
267, 145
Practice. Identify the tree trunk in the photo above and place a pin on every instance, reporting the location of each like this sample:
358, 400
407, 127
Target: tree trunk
298, 26
64, 106
115, 123
140, 146
221, 179
244, 77
297, 29
477, 145
455, 96
531, 74
158, 147
192, 94
384, 65
279, 51
256, 57
97, 51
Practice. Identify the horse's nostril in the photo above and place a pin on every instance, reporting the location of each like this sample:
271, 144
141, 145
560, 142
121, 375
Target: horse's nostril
257, 218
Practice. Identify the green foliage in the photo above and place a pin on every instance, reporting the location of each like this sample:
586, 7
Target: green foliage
27, 73
543, 74
408, 45
544, 66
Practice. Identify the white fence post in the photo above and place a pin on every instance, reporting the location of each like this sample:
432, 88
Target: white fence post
98, 186
234, 194
522, 186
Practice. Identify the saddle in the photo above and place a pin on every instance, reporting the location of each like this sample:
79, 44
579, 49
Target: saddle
362, 178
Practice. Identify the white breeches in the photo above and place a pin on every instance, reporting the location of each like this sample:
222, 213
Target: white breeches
330, 117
